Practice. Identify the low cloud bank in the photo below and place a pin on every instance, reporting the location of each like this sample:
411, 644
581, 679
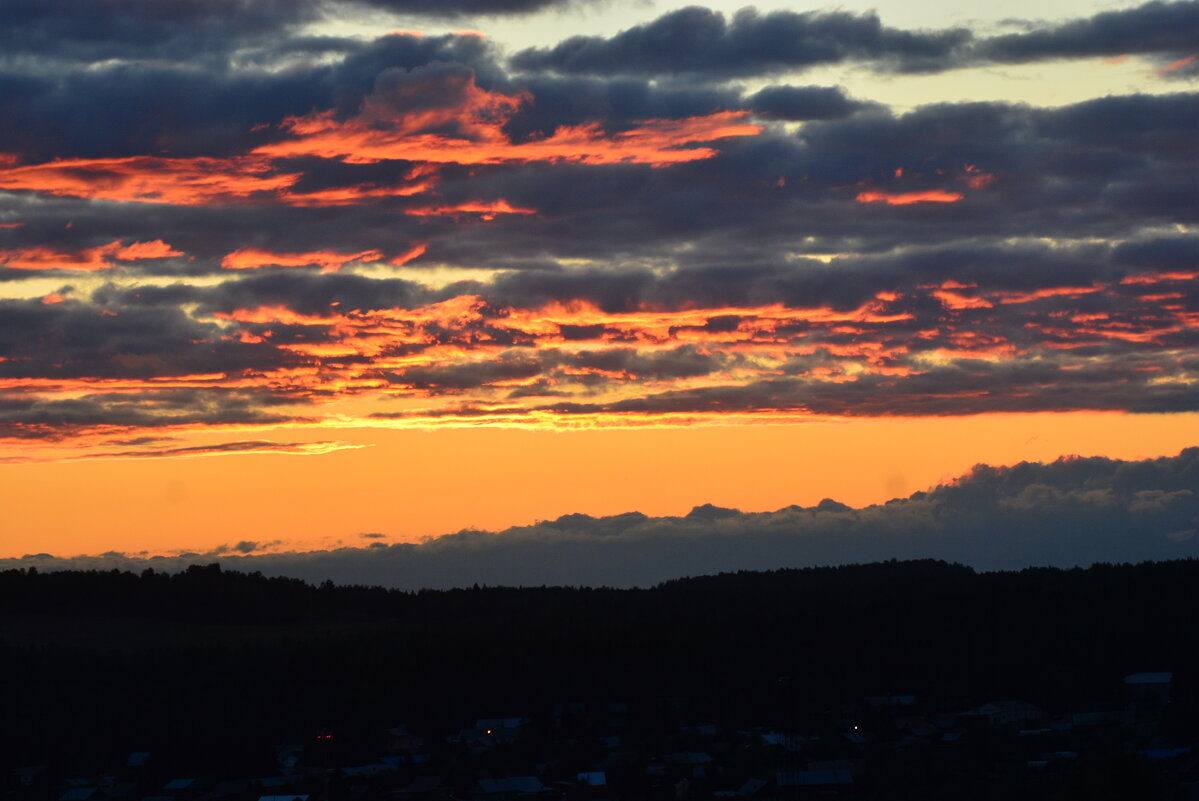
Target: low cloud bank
1074, 511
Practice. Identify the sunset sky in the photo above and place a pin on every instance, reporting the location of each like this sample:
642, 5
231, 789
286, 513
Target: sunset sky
292, 272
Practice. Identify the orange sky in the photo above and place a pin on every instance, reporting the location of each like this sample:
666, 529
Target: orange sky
412, 483
404, 283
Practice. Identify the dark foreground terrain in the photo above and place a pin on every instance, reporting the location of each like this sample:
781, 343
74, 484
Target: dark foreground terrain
893, 680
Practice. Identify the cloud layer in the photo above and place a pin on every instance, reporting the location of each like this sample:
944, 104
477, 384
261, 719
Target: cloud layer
211, 217
1071, 512
696, 40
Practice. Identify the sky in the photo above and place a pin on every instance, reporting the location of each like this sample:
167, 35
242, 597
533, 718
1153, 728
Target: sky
290, 275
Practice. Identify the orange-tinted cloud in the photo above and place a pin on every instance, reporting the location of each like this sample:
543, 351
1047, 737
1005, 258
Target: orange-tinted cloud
473, 359
908, 198
956, 301
328, 261
1157, 278
87, 260
154, 249
486, 210
415, 252
383, 131
350, 195
657, 143
1179, 64
1048, 292
227, 448
149, 179
978, 179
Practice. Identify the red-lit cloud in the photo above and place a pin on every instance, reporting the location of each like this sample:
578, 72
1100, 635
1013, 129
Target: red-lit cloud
408, 232
87, 260
149, 179
658, 143
413, 253
1179, 64
908, 198
328, 261
446, 119
485, 210
467, 361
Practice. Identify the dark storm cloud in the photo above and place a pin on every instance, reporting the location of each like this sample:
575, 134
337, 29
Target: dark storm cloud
1103, 168
1164, 253
612, 102
83, 30
845, 283
202, 31
683, 362
315, 294
1099, 169
589, 366
26, 416
1153, 28
457, 377
966, 386
701, 42
1071, 512
76, 340
360, 69
456, 8
301, 291
948, 298
191, 110
696, 40
133, 110
1078, 327
800, 103
688, 41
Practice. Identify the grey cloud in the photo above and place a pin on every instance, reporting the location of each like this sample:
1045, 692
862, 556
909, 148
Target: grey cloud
74, 339
469, 375
209, 32
460, 8
613, 365
30, 417
803, 103
700, 41
189, 109
1059, 173
1128, 362
963, 386
82, 30
1105, 168
1152, 28
682, 362
611, 102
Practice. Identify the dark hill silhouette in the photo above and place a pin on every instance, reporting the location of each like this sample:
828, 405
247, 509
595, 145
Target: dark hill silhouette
213, 664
